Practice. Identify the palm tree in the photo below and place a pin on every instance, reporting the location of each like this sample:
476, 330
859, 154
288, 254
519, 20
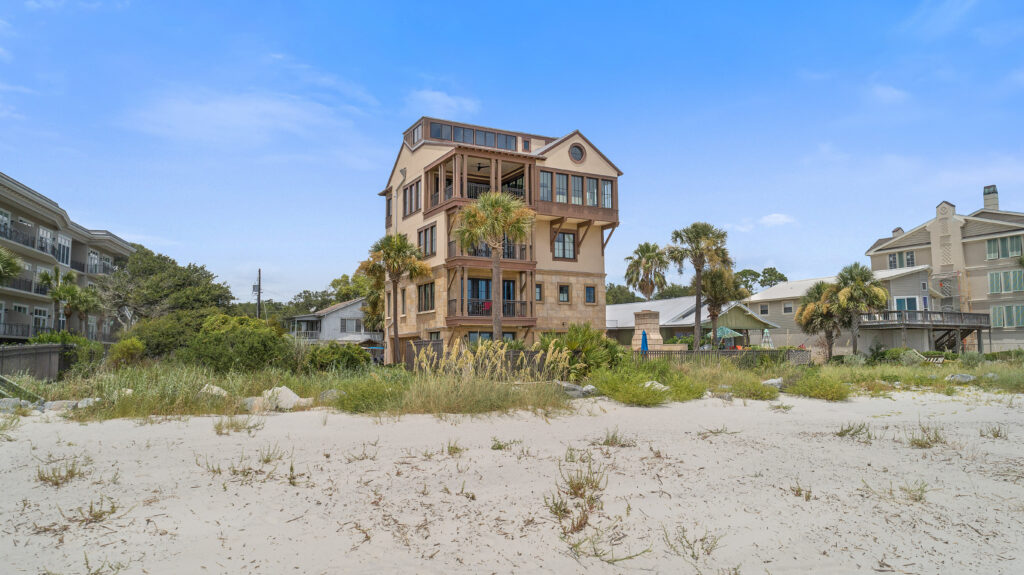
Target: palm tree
819, 312
62, 289
720, 288
10, 265
85, 302
859, 292
373, 307
702, 245
493, 219
398, 257
646, 269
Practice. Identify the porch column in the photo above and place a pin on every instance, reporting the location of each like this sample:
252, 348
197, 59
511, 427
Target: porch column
497, 176
959, 343
493, 170
457, 179
980, 343
440, 183
462, 290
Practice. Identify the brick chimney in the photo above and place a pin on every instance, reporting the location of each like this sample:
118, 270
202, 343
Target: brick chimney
991, 196
897, 232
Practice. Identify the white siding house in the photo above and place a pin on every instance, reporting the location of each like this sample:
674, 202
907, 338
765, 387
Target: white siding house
341, 322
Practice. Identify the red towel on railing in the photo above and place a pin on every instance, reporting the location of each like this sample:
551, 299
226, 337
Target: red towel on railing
487, 306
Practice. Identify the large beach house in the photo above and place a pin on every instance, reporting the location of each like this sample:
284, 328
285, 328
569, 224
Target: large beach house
555, 278
42, 235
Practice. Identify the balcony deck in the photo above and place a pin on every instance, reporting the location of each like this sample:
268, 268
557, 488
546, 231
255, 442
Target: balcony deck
899, 319
478, 312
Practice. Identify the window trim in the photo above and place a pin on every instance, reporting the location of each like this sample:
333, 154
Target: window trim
763, 309
417, 199
568, 294
792, 307
563, 236
421, 290
421, 235
583, 153
538, 290
586, 288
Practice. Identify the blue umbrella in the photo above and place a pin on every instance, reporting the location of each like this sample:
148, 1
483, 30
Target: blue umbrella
643, 341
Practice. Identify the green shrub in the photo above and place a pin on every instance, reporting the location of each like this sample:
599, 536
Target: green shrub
854, 360
86, 353
128, 351
226, 343
910, 358
168, 333
813, 383
333, 355
626, 385
588, 349
753, 389
971, 359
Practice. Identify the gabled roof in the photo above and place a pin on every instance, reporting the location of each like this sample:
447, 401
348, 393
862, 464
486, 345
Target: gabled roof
673, 312
566, 137
1011, 217
330, 309
881, 243
794, 290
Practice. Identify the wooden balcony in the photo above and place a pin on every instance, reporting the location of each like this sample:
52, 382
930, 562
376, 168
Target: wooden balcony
899, 319
516, 257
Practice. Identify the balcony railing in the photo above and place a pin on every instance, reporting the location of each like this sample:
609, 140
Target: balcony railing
101, 268
509, 251
40, 289
900, 318
306, 335
475, 190
15, 329
15, 235
517, 191
22, 284
483, 307
78, 266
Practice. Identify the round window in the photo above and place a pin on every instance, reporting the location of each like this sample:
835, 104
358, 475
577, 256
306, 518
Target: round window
576, 152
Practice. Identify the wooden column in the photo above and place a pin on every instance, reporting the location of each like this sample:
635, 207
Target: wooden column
440, 182
456, 176
497, 176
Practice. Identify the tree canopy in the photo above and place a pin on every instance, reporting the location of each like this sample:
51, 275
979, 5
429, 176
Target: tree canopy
771, 276
673, 290
615, 293
748, 278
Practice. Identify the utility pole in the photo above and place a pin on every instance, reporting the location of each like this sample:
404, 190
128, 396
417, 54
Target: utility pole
258, 290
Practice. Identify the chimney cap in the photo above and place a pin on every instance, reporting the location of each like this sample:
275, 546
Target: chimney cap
990, 190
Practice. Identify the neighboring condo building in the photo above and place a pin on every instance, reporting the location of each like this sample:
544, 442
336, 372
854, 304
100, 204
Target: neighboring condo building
556, 277
41, 234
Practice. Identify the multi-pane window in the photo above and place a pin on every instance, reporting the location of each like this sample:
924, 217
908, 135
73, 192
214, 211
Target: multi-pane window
563, 293
606, 193
402, 298
45, 241
1006, 281
411, 199
787, 307
538, 292
63, 253
426, 239
545, 186
577, 190
40, 317
591, 192
999, 248
590, 294
1007, 316
417, 133
764, 309
905, 303
425, 297
565, 245
526, 144
901, 260
561, 188
506, 142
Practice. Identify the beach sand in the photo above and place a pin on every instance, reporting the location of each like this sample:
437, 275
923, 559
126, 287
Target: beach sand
357, 494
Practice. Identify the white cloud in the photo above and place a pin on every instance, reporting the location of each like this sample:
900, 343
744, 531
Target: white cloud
440, 104
233, 119
771, 220
746, 225
310, 75
886, 94
934, 18
15, 89
43, 4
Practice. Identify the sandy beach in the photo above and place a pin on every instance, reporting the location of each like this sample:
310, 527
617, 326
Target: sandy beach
757, 490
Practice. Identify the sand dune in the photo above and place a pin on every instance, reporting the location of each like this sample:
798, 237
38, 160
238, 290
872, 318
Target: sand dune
338, 493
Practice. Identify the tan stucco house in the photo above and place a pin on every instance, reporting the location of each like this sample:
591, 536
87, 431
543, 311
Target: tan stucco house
555, 278
42, 235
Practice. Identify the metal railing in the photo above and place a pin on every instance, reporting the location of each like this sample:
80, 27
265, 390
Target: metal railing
40, 289
78, 266
22, 284
306, 334
482, 308
517, 191
509, 251
15, 329
15, 235
900, 318
101, 268
475, 190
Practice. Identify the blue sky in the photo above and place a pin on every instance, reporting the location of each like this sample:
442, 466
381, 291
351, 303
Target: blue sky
257, 134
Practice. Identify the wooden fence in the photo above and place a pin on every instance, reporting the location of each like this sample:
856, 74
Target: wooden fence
41, 361
741, 357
